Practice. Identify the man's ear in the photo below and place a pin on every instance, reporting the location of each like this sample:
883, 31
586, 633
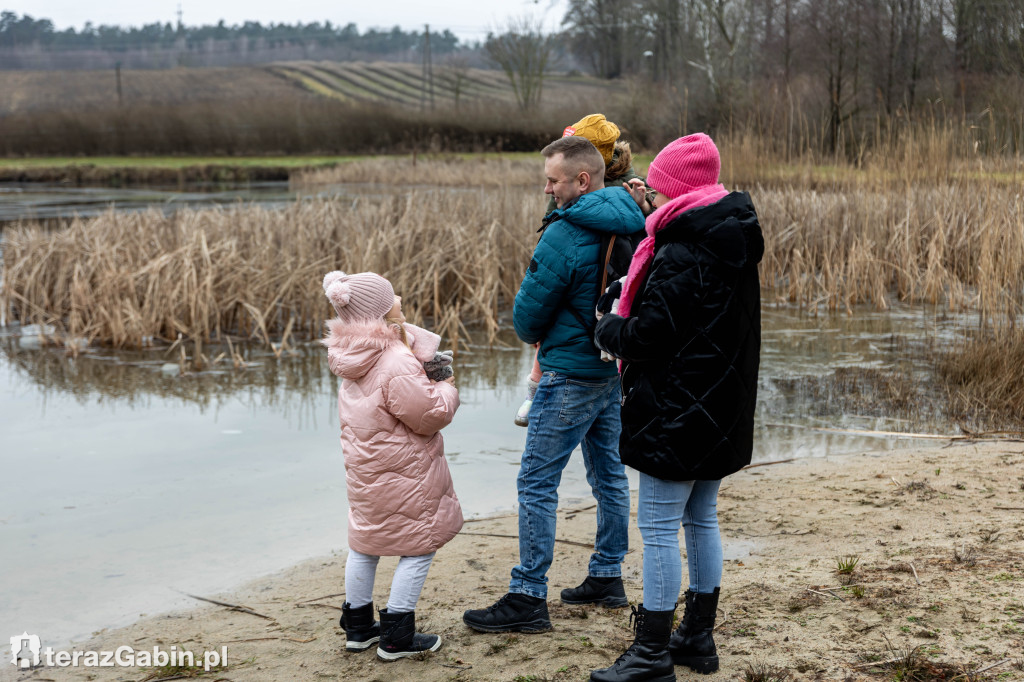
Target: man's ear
584, 180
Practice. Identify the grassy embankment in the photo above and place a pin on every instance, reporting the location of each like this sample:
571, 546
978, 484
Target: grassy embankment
141, 170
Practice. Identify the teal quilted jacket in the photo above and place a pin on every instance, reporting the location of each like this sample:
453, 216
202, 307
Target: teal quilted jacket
566, 270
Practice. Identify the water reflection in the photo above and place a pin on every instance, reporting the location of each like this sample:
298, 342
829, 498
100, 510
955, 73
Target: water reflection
142, 482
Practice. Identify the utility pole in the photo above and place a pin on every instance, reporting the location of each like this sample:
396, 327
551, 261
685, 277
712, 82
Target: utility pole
423, 74
180, 25
428, 61
117, 70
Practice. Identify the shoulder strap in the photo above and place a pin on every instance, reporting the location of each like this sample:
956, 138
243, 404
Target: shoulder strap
590, 326
605, 261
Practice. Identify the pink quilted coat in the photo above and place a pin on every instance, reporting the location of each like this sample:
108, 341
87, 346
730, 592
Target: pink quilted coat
400, 494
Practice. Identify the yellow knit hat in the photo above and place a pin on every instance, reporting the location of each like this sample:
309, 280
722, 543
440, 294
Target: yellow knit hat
599, 130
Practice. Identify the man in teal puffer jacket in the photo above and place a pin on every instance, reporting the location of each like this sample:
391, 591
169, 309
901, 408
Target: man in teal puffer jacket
577, 400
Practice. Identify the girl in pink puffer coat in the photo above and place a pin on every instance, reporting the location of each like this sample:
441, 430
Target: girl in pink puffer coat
400, 494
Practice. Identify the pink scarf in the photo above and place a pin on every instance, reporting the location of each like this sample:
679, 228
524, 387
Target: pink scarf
656, 222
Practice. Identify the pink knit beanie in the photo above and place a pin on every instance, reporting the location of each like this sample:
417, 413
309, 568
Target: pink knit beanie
684, 165
364, 296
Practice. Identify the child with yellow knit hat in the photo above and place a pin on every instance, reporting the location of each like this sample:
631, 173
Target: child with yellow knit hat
618, 164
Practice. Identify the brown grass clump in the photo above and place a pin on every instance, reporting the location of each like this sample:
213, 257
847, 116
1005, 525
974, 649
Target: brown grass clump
984, 379
253, 271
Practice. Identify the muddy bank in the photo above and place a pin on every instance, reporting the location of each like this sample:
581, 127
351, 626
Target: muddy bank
936, 537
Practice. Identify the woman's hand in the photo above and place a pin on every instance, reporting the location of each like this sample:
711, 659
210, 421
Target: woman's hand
638, 190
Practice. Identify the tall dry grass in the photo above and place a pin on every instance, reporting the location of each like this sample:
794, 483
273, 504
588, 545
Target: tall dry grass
984, 380
435, 170
256, 272
458, 255
959, 245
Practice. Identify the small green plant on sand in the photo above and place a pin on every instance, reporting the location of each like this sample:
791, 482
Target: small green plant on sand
845, 565
502, 644
761, 671
183, 671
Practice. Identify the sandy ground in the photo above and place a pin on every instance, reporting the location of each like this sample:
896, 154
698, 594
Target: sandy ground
938, 535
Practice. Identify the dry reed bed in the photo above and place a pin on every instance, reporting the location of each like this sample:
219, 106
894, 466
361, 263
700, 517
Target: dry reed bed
444, 171
458, 257
961, 245
256, 272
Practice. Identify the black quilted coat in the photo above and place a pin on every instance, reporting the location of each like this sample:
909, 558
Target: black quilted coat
691, 348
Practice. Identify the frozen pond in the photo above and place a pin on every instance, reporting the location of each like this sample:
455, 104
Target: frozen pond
50, 202
126, 486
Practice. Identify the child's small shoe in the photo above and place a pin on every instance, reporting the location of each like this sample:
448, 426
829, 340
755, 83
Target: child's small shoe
523, 413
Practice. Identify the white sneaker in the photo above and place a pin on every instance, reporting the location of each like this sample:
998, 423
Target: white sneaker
523, 413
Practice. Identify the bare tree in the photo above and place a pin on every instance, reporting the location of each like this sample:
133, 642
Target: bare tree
523, 53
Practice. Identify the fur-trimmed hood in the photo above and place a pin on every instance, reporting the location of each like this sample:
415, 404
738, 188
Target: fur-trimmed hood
354, 347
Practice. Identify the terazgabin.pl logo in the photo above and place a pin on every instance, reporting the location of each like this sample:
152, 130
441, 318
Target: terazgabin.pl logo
27, 652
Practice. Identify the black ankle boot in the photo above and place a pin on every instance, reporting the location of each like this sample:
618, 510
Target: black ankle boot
605, 591
694, 645
686, 624
647, 659
361, 630
398, 637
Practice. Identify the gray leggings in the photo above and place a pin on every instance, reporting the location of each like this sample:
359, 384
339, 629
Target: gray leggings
361, 570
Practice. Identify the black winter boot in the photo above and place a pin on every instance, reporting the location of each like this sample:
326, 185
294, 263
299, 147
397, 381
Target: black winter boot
686, 624
512, 613
694, 646
605, 591
398, 637
647, 659
361, 630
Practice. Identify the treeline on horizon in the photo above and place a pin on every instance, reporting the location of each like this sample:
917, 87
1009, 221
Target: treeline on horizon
30, 43
26, 31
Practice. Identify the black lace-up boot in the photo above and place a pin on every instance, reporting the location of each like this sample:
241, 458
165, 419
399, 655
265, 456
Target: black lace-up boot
512, 613
398, 637
647, 659
686, 624
361, 630
692, 644
605, 591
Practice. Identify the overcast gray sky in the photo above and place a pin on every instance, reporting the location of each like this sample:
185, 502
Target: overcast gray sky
469, 19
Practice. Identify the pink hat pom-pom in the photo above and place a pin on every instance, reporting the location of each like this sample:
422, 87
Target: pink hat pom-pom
332, 277
339, 293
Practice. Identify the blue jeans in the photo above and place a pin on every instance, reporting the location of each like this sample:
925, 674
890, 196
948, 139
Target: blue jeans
565, 413
664, 506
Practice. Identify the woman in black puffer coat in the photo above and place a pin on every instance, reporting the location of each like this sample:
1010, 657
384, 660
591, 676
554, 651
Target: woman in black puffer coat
688, 331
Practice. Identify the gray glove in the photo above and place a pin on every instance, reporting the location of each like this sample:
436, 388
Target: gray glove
439, 367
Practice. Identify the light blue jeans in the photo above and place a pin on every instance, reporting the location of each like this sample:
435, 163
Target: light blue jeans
664, 506
565, 413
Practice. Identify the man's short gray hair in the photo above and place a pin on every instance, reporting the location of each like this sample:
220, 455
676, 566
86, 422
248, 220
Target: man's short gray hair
578, 154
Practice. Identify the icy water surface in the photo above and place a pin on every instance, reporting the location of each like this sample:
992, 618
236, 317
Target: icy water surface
125, 485
53, 202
